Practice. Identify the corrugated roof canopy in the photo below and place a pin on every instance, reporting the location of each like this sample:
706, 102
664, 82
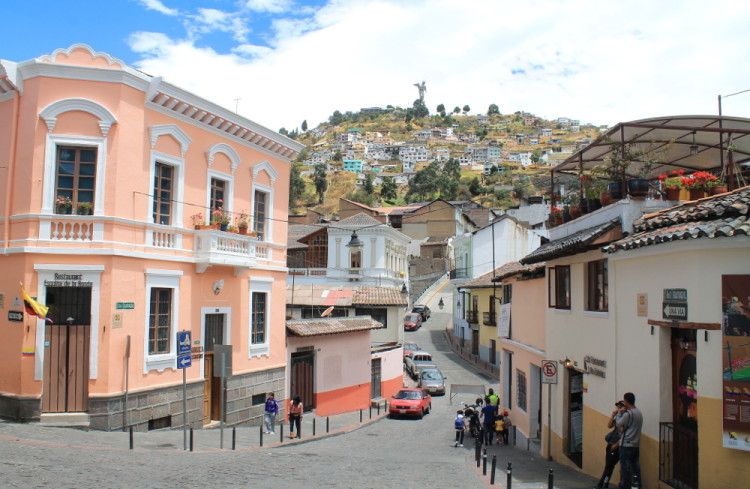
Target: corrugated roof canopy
670, 138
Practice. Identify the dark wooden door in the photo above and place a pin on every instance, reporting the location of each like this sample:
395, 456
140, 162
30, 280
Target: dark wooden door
212, 391
302, 379
66, 352
475, 342
685, 406
375, 378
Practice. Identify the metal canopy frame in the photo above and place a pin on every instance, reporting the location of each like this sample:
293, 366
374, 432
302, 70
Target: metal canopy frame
672, 138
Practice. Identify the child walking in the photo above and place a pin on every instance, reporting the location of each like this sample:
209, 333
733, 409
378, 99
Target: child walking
459, 425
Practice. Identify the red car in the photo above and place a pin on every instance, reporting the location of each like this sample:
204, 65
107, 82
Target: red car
410, 402
410, 347
412, 321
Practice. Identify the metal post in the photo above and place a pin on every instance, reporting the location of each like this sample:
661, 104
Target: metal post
281, 432
360, 415
328, 424
484, 462
551, 479
477, 451
191, 439
509, 480
378, 406
549, 422
184, 410
492, 472
261, 433
371, 411
221, 400
131, 437
234, 436
127, 380
313, 426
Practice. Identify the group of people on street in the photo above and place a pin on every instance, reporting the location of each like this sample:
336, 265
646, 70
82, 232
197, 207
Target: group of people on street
623, 444
495, 423
295, 414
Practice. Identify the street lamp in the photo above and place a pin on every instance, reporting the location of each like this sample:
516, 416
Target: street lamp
355, 243
404, 290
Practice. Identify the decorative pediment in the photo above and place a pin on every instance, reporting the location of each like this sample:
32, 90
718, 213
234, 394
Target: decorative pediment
224, 148
50, 112
265, 166
62, 55
170, 130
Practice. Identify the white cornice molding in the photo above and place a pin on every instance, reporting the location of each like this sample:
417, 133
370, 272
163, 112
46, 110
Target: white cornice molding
265, 166
170, 130
50, 112
224, 148
52, 58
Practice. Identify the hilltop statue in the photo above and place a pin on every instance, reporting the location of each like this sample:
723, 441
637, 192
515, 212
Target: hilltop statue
422, 89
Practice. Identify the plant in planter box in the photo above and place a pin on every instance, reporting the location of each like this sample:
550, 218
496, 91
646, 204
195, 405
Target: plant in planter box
697, 183
242, 221
63, 204
672, 183
85, 208
218, 216
197, 220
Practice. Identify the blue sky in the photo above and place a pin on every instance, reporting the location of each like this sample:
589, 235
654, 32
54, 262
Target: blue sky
289, 60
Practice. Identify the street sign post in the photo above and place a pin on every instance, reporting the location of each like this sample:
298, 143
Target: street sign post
675, 305
549, 372
184, 360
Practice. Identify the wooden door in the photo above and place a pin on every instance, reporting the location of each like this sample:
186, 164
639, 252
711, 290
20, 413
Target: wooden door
214, 331
685, 406
301, 382
375, 378
475, 342
66, 353
208, 374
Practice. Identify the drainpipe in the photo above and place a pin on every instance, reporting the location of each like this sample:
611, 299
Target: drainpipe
11, 168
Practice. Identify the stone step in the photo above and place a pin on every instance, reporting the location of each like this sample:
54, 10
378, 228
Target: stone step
65, 419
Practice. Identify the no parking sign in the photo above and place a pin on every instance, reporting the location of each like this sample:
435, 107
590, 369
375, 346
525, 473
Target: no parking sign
549, 372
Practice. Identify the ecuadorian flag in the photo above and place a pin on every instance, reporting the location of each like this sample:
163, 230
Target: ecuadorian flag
33, 307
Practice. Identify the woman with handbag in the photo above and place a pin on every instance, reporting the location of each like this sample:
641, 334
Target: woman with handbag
613, 453
295, 416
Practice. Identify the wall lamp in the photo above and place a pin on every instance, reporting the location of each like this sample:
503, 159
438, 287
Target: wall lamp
567, 363
404, 290
693, 147
355, 243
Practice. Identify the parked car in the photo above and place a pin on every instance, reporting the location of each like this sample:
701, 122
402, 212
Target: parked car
432, 380
417, 361
423, 311
408, 348
412, 321
410, 402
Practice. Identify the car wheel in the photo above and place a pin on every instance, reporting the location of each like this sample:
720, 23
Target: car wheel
421, 414
429, 408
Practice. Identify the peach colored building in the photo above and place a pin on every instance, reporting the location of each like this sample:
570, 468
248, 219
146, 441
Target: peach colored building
107, 173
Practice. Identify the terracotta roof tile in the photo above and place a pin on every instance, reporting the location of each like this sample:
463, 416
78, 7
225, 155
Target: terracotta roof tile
571, 244
360, 220
329, 326
722, 215
491, 279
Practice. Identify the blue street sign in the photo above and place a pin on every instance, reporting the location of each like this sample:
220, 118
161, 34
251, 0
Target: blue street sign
183, 349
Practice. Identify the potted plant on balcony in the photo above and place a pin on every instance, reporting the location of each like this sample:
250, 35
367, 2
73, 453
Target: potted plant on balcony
571, 204
556, 214
716, 186
243, 221
63, 205
85, 208
697, 184
671, 184
198, 222
220, 219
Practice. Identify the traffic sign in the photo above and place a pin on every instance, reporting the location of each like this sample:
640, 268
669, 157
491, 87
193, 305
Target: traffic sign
15, 316
549, 372
675, 310
184, 351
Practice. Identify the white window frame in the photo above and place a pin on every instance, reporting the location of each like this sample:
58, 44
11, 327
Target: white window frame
179, 191
259, 284
169, 279
228, 198
50, 168
256, 187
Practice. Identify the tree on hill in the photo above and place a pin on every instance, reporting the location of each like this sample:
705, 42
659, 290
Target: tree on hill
452, 168
493, 110
296, 186
337, 156
320, 180
475, 187
388, 190
456, 109
304, 125
466, 109
441, 110
336, 118
420, 109
369, 188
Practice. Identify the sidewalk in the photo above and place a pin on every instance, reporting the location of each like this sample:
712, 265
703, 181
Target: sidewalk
204, 440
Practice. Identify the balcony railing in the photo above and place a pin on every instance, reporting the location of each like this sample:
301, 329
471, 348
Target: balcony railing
471, 317
214, 247
488, 318
678, 456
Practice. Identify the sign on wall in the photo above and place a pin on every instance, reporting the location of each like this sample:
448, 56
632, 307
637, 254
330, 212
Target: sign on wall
735, 298
549, 372
503, 328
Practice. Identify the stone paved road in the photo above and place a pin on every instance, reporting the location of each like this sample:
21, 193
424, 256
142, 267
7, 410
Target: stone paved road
384, 453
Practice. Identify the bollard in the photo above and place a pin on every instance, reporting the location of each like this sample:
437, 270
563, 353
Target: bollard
510, 476
234, 437
261, 434
131, 437
477, 451
484, 462
328, 424
551, 480
313, 426
281, 433
492, 471
191, 439
370, 410
378, 406
360, 415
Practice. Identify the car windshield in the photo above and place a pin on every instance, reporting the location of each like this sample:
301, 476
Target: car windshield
411, 317
408, 395
431, 375
411, 346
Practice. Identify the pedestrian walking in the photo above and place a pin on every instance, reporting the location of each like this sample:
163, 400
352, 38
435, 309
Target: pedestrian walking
612, 453
459, 424
271, 411
499, 428
488, 417
494, 398
508, 426
295, 417
630, 424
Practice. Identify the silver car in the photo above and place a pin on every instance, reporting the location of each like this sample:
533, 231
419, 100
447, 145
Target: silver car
432, 381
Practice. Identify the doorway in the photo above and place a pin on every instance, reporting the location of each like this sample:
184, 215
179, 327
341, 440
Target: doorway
685, 406
375, 378
535, 401
67, 345
214, 331
575, 417
301, 382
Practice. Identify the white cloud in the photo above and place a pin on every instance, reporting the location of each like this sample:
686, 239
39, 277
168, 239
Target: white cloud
274, 6
209, 20
159, 7
601, 63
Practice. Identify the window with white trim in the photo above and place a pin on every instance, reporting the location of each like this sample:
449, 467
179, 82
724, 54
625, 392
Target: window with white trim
260, 211
259, 324
163, 193
559, 287
259, 337
160, 321
162, 297
75, 179
597, 296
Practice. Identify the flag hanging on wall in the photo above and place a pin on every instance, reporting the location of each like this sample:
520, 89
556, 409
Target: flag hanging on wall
33, 307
